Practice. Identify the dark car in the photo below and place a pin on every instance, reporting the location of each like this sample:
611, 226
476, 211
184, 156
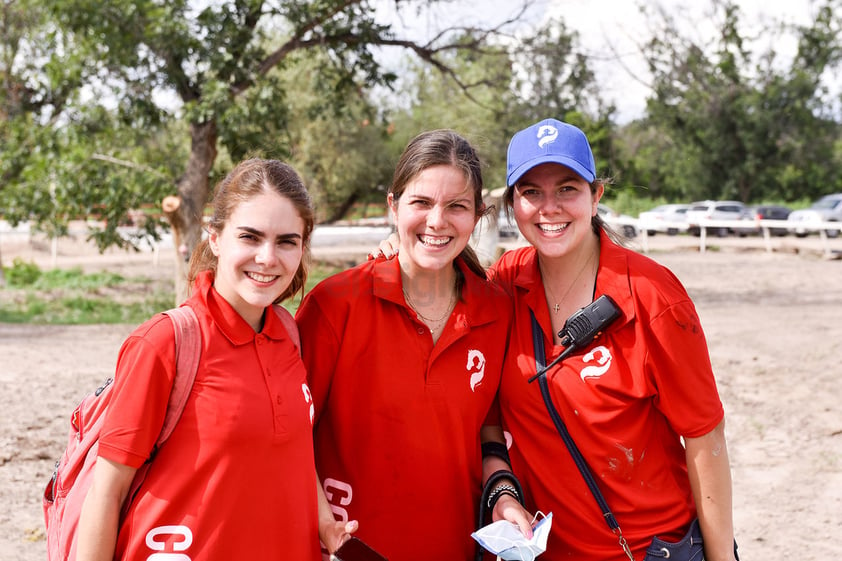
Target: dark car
768, 212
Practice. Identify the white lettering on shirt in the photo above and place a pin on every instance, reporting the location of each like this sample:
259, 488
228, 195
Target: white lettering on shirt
339, 495
178, 545
308, 398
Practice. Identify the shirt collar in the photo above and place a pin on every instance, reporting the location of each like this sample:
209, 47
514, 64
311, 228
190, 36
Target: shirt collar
612, 278
472, 305
230, 323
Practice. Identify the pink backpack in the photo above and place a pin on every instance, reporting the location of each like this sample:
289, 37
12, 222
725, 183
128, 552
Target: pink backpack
66, 490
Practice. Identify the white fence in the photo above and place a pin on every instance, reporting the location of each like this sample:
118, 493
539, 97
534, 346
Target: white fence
710, 228
327, 237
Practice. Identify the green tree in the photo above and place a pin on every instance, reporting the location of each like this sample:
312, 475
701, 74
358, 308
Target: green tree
32, 96
341, 151
543, 74
219, 65
734, 125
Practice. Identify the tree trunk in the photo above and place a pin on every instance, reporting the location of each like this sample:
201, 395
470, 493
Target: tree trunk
340, 211
185, 211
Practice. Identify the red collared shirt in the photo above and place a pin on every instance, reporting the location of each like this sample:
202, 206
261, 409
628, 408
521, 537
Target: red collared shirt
397, 417
237, 474
625, 399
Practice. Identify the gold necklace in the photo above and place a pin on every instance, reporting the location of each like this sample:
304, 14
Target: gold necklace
557, 306
427, 320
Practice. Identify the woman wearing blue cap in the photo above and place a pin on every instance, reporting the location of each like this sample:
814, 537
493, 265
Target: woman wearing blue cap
627, 398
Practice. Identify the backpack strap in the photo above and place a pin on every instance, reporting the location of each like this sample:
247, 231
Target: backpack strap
188, 349
289, 322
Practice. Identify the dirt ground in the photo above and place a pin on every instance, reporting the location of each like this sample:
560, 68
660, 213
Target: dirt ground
774, 325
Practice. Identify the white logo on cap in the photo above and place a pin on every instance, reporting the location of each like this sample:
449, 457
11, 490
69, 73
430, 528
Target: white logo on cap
546, 134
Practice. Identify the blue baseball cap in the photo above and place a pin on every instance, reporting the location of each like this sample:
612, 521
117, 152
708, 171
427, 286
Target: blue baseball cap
549, 140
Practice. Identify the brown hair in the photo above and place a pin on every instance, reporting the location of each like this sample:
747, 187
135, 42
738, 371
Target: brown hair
436, 148
248, 179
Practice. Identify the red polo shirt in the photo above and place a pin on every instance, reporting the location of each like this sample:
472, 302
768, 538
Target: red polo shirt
397, 417
236, 479
625, 399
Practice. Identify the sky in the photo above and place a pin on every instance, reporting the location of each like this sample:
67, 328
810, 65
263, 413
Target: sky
608, 28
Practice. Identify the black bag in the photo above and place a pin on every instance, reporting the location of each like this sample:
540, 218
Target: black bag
690, 548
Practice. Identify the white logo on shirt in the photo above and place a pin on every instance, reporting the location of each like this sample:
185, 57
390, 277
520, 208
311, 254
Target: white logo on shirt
476, 365
603, 358
308, 398
546, 134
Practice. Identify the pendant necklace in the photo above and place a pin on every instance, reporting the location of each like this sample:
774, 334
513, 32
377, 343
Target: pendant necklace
557, 306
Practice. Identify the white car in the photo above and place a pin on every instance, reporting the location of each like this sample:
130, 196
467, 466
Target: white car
621, 222
826, 209
702, 211
669, 219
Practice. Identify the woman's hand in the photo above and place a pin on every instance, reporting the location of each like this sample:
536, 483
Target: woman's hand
334, 533
508, 508
388, 248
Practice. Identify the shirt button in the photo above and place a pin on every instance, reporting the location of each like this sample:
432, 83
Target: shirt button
420, 331
260, 339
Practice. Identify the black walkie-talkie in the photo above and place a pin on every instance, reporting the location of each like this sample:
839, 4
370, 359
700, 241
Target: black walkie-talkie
583, 327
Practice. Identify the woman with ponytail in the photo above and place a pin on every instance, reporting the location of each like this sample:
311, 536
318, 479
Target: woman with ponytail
236, 478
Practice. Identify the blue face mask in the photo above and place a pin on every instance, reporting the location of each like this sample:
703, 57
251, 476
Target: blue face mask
504, 539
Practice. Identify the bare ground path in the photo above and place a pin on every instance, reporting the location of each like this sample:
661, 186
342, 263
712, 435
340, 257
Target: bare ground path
774, 324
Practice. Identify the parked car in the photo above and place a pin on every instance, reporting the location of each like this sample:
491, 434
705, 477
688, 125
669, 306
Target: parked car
620, 222
669, 219
767, 212
714, 210
826, 209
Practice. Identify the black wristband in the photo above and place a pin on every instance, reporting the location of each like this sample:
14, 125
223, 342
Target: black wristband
497, 449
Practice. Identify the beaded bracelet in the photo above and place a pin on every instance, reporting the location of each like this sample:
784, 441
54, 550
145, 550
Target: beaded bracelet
494, 496
499, 495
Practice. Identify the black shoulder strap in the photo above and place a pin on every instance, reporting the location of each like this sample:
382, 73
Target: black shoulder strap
540, 361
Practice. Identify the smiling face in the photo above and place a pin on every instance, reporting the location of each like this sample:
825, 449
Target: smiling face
553, 207
258, 253
435, 216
